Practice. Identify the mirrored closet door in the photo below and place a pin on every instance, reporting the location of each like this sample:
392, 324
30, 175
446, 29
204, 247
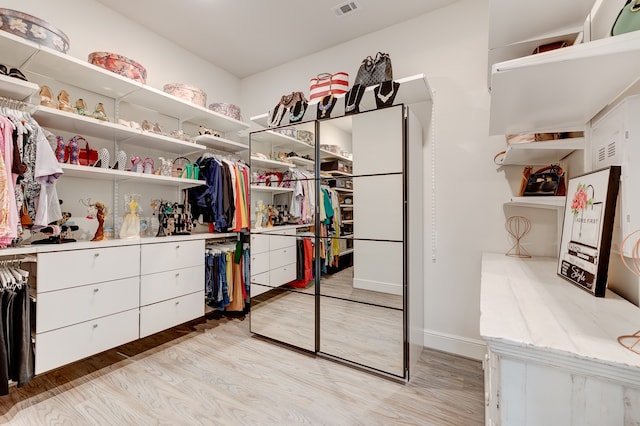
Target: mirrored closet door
352, 303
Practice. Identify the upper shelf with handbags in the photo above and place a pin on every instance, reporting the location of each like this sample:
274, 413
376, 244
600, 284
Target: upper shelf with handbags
414, 89
561, 90
42, 60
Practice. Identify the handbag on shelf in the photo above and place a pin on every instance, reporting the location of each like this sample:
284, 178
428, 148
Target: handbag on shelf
86, 155
374, 71
328, 84
547, 181
549, 46
628, 19
183, 168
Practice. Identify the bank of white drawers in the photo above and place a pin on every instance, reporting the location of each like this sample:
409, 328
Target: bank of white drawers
87, 302
273, 259
171, 284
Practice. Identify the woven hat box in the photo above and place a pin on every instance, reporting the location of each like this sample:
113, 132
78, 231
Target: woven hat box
120, 65
33, 29
230, 110
187, 93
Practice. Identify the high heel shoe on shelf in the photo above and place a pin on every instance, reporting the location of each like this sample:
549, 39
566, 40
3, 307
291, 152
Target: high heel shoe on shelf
103, 159
147, 166
63, 102
81, 107
99, 113
46, 98
121, 161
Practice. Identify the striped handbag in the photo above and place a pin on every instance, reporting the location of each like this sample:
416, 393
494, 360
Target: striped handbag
328, 84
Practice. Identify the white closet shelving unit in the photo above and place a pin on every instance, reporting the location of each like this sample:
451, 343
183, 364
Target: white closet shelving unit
556, 91
159, 282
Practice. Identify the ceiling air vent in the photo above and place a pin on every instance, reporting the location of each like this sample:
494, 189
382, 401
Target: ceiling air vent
344, 8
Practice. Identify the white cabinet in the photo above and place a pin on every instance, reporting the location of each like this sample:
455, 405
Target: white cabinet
553, 355
273, 259
84, 303
171, 284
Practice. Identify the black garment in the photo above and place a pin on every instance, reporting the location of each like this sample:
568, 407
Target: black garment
4, 360
22, 357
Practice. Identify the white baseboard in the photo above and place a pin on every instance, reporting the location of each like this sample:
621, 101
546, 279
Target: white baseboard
458, 345
379, 286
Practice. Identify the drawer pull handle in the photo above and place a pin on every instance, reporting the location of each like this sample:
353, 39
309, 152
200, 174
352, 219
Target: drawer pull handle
95, 290
177, 303
177, 274
95, 325
96, 254
178, 246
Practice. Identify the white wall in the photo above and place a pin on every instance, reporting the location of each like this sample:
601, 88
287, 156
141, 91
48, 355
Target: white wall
450, 47
92, 27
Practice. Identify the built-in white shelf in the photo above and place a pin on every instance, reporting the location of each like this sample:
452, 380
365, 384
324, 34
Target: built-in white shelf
346, 206
122, 176
541, 202
347, 222
563, 89
278, 140
328, 155
343, 189
272, 189
546, 152
221, 144
345, 252
413, 89
14, 88
338, 173
90, 127
42, 60
269, 164
303, 162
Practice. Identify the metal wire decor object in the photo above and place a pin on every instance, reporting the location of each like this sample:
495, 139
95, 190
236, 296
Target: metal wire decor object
518, 227
630, 341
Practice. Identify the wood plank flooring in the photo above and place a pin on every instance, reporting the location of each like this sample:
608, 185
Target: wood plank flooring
215, 372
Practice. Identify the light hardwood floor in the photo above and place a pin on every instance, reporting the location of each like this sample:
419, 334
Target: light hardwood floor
215, 372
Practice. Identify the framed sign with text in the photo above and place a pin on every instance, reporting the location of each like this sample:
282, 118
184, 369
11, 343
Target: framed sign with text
587, 230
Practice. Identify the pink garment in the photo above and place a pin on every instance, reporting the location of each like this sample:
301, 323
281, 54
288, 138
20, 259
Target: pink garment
12, 209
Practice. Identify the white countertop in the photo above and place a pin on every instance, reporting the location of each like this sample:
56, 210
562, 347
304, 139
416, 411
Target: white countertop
82, 245
525, 307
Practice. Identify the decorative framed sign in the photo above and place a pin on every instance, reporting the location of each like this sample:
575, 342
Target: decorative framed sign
588, 226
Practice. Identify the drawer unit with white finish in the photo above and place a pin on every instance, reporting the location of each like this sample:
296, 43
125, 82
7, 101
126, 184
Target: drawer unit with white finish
79, 291
273, 259
171, 284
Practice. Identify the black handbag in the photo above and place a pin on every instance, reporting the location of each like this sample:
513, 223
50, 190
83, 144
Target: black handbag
374, 71
547, 181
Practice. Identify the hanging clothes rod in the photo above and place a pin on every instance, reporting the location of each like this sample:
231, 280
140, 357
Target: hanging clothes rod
13, 104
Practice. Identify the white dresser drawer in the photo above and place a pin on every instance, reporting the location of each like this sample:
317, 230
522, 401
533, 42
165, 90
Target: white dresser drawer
65, 269
61, 308
163, 315
65, 345
259, 263
282, 275
262, 278
259, 243
285, 256
167, 256
257, 289
282, 241
168, 285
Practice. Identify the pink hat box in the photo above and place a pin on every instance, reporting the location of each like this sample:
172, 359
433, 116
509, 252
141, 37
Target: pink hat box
230, 110
120, 65
186, 93
33, 29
